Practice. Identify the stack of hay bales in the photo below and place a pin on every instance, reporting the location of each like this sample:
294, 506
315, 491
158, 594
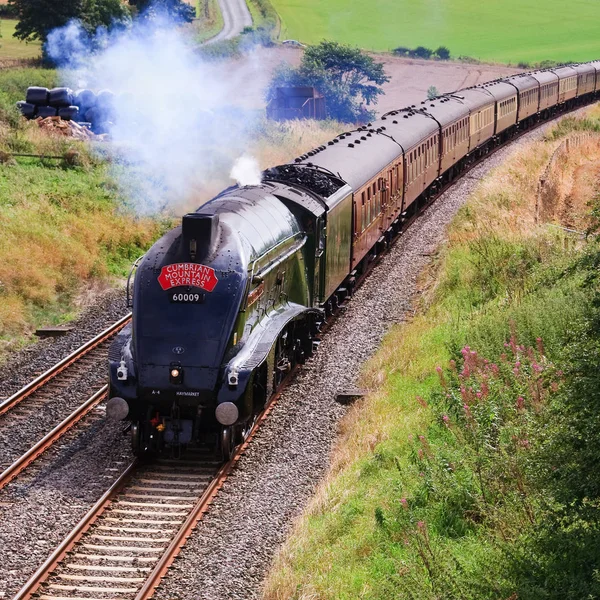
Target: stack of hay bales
83, 106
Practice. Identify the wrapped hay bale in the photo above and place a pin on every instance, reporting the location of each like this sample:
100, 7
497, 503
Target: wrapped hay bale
69, 113
46, 111
84, 99
60, 97
37, 95
27, 109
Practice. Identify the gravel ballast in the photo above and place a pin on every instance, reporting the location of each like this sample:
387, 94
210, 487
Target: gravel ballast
43, 504
228, 555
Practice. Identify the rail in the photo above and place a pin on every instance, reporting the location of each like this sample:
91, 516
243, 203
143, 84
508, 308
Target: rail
49, 439
66, 362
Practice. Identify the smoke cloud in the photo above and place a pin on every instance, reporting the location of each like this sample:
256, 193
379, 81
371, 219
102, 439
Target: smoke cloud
246, 171
173, 126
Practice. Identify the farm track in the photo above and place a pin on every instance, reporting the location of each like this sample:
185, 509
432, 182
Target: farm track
29, 402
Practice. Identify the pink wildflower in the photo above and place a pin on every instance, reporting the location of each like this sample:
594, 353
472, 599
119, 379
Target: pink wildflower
404, 502
540, 346
467, 411
520, 403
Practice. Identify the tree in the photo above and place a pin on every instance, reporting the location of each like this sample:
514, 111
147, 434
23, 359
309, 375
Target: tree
37, 18
432, 92
442, 53
348, 78
173, 10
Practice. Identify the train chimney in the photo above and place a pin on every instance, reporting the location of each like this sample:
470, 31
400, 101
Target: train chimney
200, 234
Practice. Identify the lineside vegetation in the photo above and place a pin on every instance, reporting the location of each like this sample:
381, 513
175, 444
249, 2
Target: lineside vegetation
471, 471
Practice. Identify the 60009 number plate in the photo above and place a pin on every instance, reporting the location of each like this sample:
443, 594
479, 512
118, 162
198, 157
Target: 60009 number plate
187, 297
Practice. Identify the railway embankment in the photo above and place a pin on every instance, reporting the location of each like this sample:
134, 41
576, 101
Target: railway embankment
471, 469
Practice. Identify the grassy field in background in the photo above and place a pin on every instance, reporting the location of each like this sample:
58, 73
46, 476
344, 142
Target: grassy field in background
508, 31
10, 47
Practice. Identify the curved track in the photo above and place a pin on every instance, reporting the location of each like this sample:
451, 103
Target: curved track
28, 402
125, 544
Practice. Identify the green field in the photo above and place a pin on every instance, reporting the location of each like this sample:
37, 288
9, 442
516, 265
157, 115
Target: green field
10, 47
507, 31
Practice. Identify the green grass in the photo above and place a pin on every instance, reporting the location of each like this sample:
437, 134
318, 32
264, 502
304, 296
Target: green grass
209, 20
508, 31
11, 48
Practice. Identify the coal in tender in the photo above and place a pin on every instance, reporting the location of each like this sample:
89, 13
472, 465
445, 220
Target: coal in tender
27, 109
60, 97
46, 111
317, 181
84, 99
37, 95
69, 113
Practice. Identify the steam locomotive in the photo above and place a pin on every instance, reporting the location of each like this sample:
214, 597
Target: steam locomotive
226, 304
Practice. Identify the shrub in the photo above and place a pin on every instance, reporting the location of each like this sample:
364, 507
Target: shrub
442, 53
421, 52
432, 92
402, 51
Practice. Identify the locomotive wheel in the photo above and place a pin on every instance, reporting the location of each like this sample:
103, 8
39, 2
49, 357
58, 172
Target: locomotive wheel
226, 443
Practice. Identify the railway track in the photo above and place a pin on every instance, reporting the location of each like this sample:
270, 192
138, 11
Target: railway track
31, 399
125, 544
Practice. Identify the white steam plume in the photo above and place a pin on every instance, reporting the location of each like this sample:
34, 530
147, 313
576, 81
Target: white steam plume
246, 171
173, 126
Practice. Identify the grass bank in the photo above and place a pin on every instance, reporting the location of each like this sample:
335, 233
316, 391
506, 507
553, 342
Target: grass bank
65, 227
508, 31
471, 470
